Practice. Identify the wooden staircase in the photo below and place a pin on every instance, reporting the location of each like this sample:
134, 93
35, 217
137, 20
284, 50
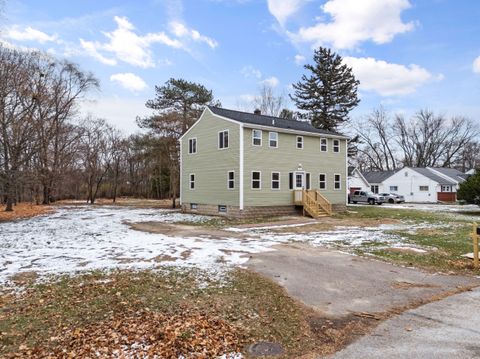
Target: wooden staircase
315, 204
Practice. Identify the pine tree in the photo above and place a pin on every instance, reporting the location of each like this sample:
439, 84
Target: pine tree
469, 190
330, 92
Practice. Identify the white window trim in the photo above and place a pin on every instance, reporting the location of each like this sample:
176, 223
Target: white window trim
333, 146
270, 140
325, 181
424, 190
253, 137
393, 190
296, 143
190, 181
279, 181
326, 144
340, 182
196, 145
218, 139
228, 180
259, 180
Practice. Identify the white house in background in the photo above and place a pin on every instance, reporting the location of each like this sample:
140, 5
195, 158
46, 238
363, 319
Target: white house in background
418, 184
470, 172
356, 181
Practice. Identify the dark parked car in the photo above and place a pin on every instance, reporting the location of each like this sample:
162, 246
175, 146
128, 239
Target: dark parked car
393, 197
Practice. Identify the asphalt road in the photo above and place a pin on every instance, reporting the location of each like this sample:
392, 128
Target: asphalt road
445, 329
337, 284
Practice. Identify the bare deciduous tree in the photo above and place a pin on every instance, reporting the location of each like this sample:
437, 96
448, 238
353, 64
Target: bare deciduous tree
268, 102
379, 139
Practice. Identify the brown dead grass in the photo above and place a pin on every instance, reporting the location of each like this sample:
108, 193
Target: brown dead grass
24, 210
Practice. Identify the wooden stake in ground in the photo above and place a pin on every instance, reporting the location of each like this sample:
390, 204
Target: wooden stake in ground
475, 235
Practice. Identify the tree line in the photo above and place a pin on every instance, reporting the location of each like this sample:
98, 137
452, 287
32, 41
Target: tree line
49, 152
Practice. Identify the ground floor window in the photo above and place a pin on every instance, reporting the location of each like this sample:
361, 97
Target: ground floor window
275, 180
307, 180
374, 188
231, 180
192, 181
256, 180
423, 188
322, 181
393, 188
337, 181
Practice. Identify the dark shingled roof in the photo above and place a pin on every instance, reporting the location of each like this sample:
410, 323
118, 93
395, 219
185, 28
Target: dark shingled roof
377, 176
430, 174
270, 121
452, 173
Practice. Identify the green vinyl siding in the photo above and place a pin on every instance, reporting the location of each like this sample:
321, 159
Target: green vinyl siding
287, 158
210, 164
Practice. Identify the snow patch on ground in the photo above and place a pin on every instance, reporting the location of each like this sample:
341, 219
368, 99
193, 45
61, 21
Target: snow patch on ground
84, 238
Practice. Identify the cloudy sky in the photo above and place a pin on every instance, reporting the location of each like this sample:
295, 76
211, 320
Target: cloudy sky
408, 54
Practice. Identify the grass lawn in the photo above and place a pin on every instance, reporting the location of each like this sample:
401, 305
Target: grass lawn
160, 312
445, 245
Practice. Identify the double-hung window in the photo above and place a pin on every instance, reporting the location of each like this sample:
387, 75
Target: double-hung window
223, 139
192, 181
231, 180
192, 145
275, 180
300, 142
273, 139
323, 145
423, 188
336, 146
256, 180
322, 181
257, 137
337, 183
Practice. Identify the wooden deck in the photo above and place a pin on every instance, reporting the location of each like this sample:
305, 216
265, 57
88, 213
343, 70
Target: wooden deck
313, 202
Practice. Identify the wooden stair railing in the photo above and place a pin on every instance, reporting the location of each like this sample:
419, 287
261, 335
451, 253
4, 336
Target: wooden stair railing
323, 202
315, 204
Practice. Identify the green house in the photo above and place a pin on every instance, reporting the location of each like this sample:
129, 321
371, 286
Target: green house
242, 164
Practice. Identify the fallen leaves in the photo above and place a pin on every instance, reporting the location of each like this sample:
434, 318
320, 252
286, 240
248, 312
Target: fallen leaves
143, 334
24, 210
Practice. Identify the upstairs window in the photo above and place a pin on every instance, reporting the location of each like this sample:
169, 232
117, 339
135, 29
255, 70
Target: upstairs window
223, 139
323, 145
337, 181
300, 142
322, 181
231, 180
256, 180
257, 137
192, 181
336, 146
275, 180
273, 139
192, 145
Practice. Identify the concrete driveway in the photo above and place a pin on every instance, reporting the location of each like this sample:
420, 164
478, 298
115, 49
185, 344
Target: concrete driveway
337, 284
444, 329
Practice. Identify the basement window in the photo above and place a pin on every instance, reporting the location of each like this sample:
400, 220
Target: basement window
222, 208
193, 206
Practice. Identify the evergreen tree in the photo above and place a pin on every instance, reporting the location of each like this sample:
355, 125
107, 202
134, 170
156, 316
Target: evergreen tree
330, 92
469, 190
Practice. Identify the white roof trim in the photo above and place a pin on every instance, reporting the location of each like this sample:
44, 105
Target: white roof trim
201, 117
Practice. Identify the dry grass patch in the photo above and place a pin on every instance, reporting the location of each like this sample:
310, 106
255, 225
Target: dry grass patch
166, 313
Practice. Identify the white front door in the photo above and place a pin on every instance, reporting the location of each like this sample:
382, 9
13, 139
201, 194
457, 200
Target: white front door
299, 180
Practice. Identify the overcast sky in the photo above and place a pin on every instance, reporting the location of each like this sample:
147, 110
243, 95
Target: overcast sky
408, 54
